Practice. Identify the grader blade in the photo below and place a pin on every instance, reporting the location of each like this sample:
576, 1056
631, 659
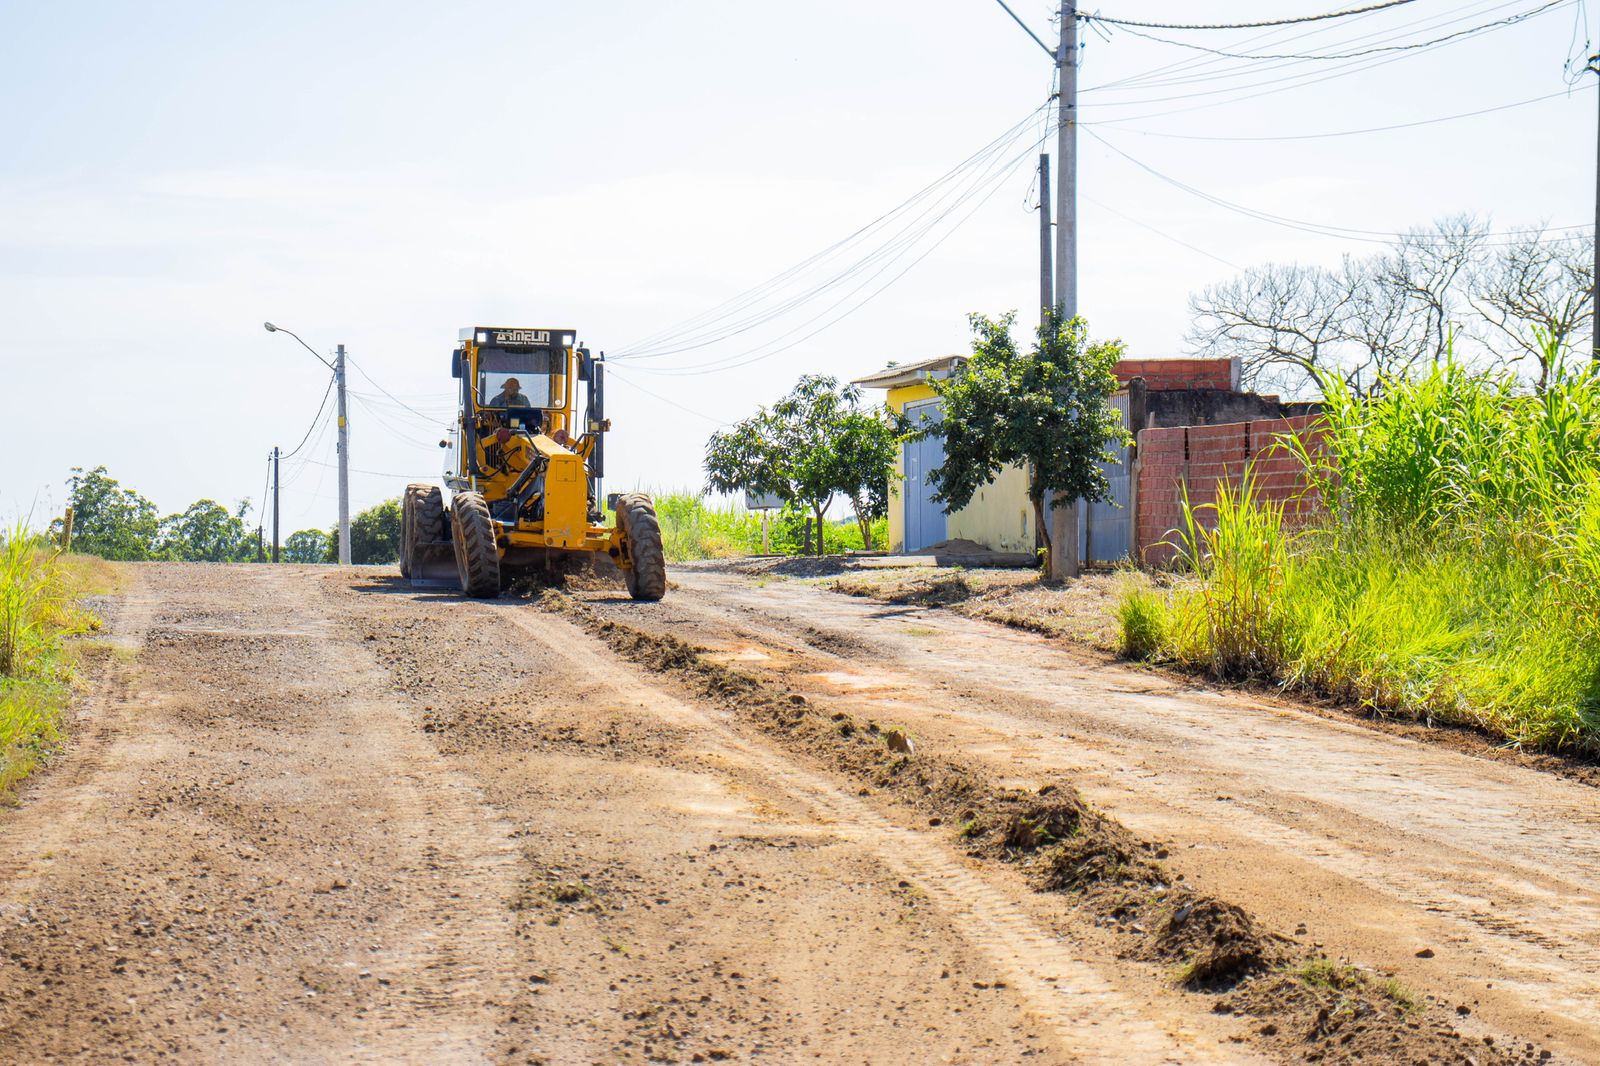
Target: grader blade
434, 570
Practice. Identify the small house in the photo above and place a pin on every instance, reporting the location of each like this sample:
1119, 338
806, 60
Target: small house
1154, 393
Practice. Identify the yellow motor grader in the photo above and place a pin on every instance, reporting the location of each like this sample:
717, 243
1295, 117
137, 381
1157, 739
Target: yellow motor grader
523, 471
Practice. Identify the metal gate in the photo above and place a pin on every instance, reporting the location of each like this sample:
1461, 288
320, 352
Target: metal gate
925, 519
1105, 531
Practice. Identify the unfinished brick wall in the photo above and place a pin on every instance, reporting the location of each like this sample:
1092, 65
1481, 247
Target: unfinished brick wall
1162, 375
1203, 457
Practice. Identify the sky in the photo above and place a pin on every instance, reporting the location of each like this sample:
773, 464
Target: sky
172, 174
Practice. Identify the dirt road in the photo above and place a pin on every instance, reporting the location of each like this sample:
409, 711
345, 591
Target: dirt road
315, 816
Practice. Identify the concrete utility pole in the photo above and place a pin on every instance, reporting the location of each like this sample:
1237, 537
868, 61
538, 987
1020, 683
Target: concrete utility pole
344, 462
1594, 291
1047, 298
1064, 520
337, 366
274, 505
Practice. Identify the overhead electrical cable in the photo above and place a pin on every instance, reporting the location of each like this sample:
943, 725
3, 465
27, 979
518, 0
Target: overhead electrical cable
315, 420
1300, 75
756, 306
362, 371
1350, 233
1471, 31
613, 375
766, 351
1110, 21
1341, 133
1200, 71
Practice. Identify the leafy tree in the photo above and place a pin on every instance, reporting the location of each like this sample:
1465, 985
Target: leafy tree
815, 443
207, 532
1046, 410
109, 520
374, 536
306, 546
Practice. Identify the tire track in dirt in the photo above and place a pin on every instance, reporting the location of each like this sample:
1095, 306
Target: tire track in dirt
1518, 930
1090, 1017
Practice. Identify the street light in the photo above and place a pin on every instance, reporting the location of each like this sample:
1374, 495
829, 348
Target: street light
337, 366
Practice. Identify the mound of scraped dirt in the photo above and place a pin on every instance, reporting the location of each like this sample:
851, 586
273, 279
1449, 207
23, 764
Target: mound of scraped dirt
1064, 845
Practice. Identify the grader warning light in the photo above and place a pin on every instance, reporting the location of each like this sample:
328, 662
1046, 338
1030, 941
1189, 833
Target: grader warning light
523, 470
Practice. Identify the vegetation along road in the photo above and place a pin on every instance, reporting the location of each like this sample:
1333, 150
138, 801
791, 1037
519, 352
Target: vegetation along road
311, 814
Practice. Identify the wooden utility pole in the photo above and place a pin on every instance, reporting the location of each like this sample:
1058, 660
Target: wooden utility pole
66, 531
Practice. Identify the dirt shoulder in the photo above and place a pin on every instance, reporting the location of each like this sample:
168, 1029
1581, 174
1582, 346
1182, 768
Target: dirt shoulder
1459, 875
1084, 613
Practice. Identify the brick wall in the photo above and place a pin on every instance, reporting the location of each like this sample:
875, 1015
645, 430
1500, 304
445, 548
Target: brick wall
1166, 374
1203, 457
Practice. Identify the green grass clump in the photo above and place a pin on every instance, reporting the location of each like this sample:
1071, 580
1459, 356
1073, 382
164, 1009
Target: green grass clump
1456, 578
694, 528
36, 612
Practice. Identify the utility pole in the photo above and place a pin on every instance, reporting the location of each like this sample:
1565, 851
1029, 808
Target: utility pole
1594, 287
1047, 298
274, 505
1067, 154
344, 462
1064, 520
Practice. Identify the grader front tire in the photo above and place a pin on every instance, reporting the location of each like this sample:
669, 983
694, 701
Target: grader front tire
408, 526
647, 577
477, 558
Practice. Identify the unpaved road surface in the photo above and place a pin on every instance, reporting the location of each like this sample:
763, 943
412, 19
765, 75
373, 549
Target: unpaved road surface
312, 815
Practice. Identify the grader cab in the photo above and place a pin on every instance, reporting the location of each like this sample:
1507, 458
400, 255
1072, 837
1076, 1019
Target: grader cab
524, 472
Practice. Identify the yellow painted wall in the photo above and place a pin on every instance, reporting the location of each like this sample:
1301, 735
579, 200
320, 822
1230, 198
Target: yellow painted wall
999, 516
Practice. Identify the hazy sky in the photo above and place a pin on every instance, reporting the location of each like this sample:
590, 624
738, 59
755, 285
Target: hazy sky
172, 174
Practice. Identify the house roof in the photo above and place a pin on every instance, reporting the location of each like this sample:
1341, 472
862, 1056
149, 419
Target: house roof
893, 377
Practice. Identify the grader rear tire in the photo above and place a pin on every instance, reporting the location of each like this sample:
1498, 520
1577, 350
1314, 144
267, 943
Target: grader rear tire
408, 526
477, 558
647, 578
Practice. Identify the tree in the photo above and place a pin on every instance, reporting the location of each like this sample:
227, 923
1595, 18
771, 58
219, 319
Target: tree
1395, 312
109, 520
207, 532
306, 546
1047, 411
815, 443
374, 536
1536, 285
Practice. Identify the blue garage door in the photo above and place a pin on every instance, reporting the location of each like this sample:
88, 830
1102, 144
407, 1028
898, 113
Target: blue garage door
925, 519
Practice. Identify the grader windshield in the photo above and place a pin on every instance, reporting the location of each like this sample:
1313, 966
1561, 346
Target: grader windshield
535, 377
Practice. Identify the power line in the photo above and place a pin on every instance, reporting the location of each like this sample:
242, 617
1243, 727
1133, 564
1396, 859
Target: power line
1246, 25
1320, 229
362, 371
1299, 79
673, 403
1342, 133
317, 418
1163, 233
1296, 79
757, 354
725, 321
1509, 20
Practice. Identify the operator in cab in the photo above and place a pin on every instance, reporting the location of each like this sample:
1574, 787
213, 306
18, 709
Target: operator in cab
510, 395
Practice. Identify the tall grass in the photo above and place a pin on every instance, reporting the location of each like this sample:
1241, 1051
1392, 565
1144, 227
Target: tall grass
692, 528
36, 611
1455, 579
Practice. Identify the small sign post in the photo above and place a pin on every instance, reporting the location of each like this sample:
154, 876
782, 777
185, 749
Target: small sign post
766, 503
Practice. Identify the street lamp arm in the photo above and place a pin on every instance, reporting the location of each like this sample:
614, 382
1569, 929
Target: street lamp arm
1026, 30
279, 329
